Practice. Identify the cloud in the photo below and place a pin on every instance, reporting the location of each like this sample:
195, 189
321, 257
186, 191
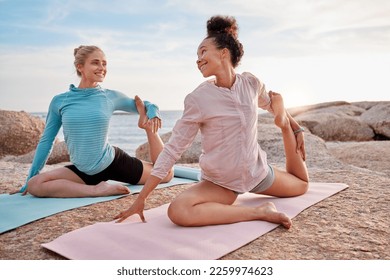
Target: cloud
151, 45
56, 11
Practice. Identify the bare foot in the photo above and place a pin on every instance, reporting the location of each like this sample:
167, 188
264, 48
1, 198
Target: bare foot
106, 189
269, 213
281, 119
143, 118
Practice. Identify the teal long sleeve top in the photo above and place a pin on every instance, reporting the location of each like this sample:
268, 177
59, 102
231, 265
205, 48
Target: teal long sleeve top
84, 115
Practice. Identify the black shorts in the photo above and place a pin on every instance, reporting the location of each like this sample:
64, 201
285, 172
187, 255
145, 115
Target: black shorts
124, 168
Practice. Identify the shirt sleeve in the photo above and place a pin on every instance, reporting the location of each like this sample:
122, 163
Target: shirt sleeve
127, 104
264, 100
183, 134
45, 145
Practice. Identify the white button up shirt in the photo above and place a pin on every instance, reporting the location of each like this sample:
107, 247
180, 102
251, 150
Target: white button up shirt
227, 119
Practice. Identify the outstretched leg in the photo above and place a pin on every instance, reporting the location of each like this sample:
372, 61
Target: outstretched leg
295, 180
156, 145
206, 203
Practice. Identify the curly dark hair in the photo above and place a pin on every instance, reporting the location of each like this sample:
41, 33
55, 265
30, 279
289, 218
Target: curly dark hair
224, 31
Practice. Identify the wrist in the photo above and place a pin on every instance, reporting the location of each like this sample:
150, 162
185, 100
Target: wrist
298, 130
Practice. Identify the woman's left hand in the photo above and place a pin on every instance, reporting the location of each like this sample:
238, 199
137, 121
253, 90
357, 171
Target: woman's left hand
155, 124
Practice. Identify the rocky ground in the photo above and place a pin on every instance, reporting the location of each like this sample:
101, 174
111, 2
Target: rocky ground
353, 224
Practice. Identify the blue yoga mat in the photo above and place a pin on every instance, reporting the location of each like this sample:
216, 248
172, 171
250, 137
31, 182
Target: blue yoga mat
17, 210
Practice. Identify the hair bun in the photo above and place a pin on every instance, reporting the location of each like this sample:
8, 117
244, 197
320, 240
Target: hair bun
76, 50
222, 24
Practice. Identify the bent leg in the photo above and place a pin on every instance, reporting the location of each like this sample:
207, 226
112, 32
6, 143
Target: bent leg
206, 203
295, 180
286, 185
148, 167
63, 182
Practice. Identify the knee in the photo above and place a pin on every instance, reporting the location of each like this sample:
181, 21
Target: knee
178, 214
304, 187
34, 186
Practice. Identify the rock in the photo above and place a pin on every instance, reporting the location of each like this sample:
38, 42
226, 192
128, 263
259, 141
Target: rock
366, 105
341, 110
271, 141
343, 129
302, 109
337, 123
19, 132
378, 117
58, 154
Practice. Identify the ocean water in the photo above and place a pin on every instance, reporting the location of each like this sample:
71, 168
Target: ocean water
124, 131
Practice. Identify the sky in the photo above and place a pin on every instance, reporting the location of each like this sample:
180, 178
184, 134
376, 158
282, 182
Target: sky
309, 51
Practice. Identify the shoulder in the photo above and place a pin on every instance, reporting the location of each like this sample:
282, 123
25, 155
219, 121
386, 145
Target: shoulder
203, 88
247, 76
59, 98
252, 79
197, 95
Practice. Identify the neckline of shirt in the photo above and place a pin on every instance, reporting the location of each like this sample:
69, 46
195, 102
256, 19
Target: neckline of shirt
73, 88
212, 83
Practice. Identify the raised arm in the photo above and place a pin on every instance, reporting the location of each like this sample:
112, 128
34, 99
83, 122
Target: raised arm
127, 104
182, 136
124, 103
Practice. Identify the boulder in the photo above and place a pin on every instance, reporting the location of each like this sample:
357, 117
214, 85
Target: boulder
58, 154
337, 123
343, 129
19, 132
271, 141
302, 109
378, 117
366, 105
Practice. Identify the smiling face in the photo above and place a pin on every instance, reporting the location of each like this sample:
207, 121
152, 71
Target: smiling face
209, 58
93, 70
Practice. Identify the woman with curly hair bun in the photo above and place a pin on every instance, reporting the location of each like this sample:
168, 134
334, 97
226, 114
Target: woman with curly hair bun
224, 109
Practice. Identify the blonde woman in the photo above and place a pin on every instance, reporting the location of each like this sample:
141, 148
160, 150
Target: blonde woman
84, 113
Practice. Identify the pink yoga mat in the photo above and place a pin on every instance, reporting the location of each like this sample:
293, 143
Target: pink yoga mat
159, 238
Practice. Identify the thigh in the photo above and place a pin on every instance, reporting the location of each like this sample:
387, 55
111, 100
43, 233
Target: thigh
286, 185
206, 191
147, 169
124, 168
56, 174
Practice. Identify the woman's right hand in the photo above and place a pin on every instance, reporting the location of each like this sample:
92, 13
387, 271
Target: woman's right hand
301, 145
136, 208
24, 188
